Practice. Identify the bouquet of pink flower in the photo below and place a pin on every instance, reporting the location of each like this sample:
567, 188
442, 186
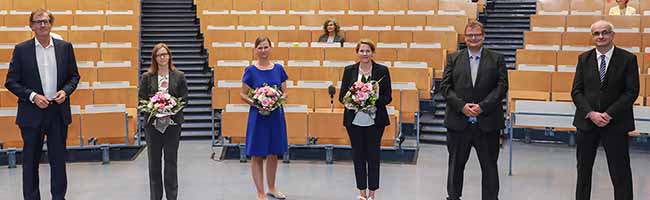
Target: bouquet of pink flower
161, 105
362, 96
267, 97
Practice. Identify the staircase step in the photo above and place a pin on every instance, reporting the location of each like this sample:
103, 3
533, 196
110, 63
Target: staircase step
174, 22
196, 133
510, 11
526, 27
433, 138
518, 21
180, 30
171, 41
153, 6
197, 109
197, 117
167, 10
199, 95
169, 35
170, 25
202, 88
169, 15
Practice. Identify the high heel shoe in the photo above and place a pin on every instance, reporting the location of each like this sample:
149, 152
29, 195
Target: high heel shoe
361, 198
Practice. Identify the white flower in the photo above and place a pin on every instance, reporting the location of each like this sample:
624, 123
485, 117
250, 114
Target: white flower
167, 96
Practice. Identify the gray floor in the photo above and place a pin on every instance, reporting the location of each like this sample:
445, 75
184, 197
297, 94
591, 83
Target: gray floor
542, 171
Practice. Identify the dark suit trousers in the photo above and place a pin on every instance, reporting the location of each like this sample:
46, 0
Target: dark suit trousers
158, 145
57, 133
366, 144
618, 160
459, 145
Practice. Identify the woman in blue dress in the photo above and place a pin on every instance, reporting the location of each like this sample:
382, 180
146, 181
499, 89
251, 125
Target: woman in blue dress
266, 134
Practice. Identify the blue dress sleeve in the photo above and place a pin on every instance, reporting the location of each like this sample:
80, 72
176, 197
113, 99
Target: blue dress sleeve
248, 77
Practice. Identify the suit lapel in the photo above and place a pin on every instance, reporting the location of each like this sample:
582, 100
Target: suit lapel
60, 65
592, 66
154, 82
172, 83
464, 63
374, 74
355, 73
34, 64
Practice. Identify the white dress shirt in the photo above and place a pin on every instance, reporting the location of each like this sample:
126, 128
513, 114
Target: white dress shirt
608, 57
47, 69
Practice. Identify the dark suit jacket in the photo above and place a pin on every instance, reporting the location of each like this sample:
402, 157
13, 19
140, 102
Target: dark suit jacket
177, 88
337, 38
615, 96
379, 71
23, 79
490, 88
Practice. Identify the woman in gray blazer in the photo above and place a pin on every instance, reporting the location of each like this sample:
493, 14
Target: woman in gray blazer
331, 32
164, 77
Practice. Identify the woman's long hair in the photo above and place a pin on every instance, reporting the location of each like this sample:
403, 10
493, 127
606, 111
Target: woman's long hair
337, 28
153, 68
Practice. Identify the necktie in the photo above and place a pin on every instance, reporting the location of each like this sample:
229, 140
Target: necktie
602, 68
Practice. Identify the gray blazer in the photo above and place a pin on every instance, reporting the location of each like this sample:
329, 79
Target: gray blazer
177, 88
337, 38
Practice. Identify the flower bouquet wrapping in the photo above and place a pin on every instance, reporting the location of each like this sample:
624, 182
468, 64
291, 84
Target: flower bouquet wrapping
268, 98
161, 106
362, 97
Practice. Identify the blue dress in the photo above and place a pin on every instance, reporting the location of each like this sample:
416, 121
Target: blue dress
265, 135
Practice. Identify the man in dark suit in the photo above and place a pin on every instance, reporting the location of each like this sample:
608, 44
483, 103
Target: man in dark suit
475, 81
42, 74
605, 86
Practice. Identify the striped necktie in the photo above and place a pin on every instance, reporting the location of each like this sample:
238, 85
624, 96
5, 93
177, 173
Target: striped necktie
602, 68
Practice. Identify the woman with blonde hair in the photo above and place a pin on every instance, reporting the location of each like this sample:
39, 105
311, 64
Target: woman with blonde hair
365, 132
266, 132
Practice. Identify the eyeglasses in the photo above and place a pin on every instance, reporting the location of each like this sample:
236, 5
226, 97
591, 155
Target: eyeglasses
162, 55
474, 35
603, 33
43, 22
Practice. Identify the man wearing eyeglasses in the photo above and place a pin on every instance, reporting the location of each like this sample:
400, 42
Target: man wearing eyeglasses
605, 86
475, 81
43, 74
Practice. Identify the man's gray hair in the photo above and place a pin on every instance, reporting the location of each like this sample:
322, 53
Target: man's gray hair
610, 26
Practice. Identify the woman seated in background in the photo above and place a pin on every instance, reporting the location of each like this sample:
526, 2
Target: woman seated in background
331, 33
622, 9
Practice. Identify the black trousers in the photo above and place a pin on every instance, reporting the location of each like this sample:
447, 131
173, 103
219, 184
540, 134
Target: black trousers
616, 144
366, 143
459, 145
57, 133
166, 144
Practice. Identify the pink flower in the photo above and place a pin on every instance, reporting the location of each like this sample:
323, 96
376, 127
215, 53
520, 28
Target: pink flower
271, 102
357, 84
270, 93
362, 96
265, 103
364, 89
164, 83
